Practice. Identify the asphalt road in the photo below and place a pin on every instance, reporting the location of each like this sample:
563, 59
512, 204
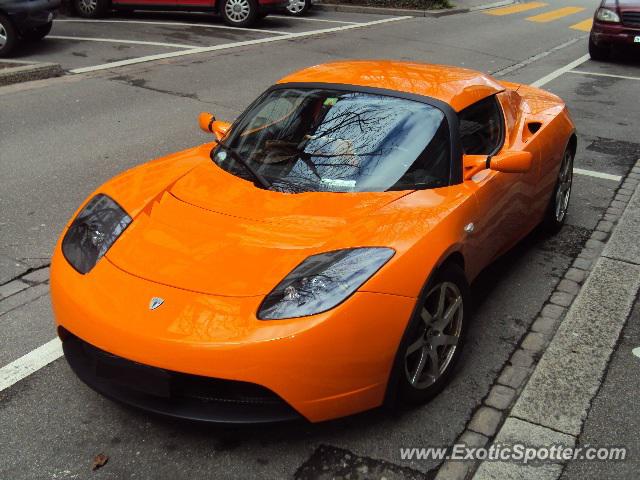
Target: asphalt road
59, 139
79, 43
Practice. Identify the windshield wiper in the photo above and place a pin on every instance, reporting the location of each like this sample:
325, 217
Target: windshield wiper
261, 180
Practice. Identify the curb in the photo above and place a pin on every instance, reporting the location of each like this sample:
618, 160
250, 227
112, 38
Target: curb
25, 72
332, 7
543, 393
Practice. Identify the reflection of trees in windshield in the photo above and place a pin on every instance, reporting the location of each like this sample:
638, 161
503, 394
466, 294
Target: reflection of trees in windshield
323, 140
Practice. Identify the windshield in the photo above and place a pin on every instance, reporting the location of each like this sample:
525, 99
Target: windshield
323, 140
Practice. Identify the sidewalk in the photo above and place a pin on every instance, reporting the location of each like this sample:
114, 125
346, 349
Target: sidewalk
581, 389
457, 6
614, 418
480, 4
559, 396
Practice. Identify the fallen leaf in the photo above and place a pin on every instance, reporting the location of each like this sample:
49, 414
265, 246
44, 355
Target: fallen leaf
100, 461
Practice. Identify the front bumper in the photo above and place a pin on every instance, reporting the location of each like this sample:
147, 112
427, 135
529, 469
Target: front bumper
614, 34
171, 393
28, 15
324, 366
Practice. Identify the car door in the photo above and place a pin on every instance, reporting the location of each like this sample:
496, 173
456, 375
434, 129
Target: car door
159, 3
503, 198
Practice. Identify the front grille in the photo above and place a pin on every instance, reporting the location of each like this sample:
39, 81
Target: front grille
166, 383
631, 18
173, 393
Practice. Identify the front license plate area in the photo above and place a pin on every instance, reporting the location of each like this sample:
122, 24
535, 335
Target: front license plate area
134, 376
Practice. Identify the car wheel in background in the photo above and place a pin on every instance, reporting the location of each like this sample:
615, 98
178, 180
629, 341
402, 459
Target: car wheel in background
38, 33
432, 343
298, 7
239, 13
91, 8
559, 203
598, 52
8, 36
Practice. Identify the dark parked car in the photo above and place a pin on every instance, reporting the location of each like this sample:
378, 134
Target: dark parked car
237, 13
25, 20
616, 24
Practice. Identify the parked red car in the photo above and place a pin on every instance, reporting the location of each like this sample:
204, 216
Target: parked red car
616, 24
237, 13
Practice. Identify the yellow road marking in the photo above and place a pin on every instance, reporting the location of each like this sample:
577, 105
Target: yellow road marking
584, 25
521, 7
555, 14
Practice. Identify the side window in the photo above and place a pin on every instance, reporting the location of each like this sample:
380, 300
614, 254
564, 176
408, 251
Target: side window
481, 127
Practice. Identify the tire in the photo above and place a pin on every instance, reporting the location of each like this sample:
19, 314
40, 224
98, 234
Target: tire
424, 335
38, 33
559, 202
239, 13
91, 8
8, 36
298, 8
598, 53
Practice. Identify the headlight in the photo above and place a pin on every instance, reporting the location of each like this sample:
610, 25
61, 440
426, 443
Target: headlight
93, 231
323, 281
606, 15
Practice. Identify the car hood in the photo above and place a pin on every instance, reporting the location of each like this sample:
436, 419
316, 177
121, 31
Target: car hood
214, 233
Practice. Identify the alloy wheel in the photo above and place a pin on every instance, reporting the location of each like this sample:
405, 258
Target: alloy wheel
237, 10
436, 341
563, 192
296, 6
3, 36
88, 6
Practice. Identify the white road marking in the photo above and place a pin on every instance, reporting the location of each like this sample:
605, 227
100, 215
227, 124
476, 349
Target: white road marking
178, 24
562, 70
591, 173
227, 46
517, 66
597, 74
310, 19
115, 40
636, 352
30, 363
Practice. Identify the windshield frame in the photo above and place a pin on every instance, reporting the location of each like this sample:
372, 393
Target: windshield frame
450, 115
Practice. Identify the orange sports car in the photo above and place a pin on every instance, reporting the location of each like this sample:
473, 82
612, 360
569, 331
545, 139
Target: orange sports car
314, 259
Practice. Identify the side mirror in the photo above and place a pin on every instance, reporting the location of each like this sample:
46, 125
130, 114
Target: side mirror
209, 124
511, 162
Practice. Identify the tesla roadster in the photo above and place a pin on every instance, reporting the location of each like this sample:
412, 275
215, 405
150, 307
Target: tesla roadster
314, 259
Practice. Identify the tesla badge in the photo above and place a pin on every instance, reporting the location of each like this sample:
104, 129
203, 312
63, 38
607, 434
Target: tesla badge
155, 303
